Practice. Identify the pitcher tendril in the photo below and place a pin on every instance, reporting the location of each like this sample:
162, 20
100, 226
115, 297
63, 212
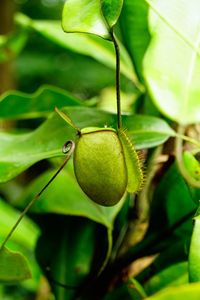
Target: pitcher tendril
118, 97
70, 145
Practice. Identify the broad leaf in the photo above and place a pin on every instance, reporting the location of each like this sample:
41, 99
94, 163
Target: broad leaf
171, 65
13, 267
187, 291
72, 244
19, 105
194, 256
111, 10
84, 16
135, 32
85, 44
174, 193
20, 151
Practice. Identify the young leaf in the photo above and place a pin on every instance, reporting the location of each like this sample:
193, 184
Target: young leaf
111, 10
84, 16
13, 267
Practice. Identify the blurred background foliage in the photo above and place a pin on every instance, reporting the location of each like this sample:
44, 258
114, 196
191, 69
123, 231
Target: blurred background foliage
66, 237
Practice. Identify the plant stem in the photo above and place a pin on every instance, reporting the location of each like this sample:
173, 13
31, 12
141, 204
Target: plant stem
71, 150
188, 139
118, 97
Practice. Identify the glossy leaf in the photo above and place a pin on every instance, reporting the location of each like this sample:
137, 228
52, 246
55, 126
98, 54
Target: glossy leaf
134, 26
111, 10
174, 193
85, 44
146, 131
84, 16
189, 292
194, 256
19, 105
13, 267
72, 243
19, 151
172, 65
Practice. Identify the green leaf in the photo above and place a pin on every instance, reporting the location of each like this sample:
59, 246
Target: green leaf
72, 244
172, 68
174, 275
23, 239
174, 193
146, 131
13, 267
12, 45
19, 105
84, 16
86, 44
194, 256
187, 291
25, 235
135, 31
19, 151
111, 10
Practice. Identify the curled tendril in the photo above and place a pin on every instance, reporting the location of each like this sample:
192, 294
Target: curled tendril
68, 147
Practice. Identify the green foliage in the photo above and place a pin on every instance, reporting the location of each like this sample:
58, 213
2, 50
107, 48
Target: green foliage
84, 16
194, 258
85, 44
191, 292
142, 246
13, 267
111, 10
176, 274
172, 68
46, 141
